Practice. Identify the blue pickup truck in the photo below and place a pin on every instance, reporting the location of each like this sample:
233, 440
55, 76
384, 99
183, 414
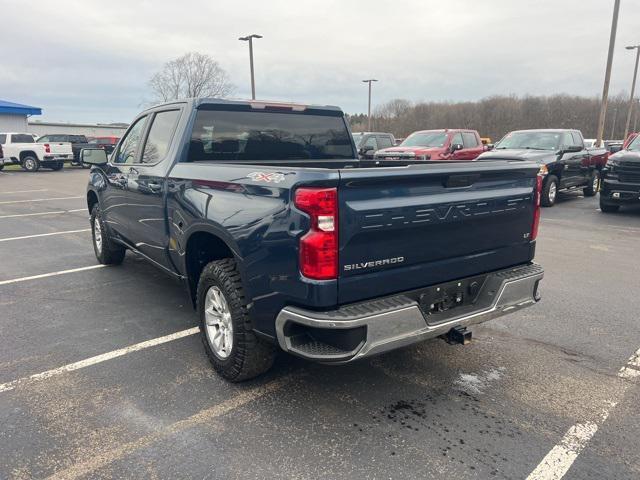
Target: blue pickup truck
286, 240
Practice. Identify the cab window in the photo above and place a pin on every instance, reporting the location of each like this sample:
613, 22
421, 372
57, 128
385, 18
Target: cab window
160, 134
129, 147
384, 141
370, 144
470, 140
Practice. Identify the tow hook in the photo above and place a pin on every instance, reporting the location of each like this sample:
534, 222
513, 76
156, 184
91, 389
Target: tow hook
458, 335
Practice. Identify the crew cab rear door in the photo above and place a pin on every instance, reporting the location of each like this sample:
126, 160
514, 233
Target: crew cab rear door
576, 164
408, 227
146, 186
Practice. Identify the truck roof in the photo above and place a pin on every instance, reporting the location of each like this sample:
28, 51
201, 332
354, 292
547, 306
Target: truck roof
447, 130
551, 130
257, 104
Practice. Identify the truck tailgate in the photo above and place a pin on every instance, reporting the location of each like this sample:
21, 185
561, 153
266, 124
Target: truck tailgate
408, 227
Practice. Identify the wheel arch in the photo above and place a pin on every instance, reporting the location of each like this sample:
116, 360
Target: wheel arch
26, 153
203, 246
92, 200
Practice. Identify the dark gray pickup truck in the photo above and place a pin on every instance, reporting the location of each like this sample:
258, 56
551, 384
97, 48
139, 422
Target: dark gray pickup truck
285, 240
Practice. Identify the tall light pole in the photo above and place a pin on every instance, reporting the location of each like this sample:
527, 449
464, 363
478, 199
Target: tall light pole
249, 38
607, 75
633, 88
369, 109
613, 128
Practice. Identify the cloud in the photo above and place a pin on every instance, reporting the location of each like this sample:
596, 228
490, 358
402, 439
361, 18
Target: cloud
90, 61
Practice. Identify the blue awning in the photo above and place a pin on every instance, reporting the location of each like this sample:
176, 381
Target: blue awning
18, 109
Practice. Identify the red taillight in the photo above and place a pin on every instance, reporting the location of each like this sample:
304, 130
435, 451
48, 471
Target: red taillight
319, 246
47, 148
536, 207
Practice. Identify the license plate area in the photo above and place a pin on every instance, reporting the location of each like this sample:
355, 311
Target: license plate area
438, 299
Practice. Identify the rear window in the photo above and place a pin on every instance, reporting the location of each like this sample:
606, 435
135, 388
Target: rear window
21, 138
259, 135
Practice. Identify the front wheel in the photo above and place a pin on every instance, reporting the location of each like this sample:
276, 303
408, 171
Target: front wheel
233, 348
549, 191
30, 163
594, 183
607, 207
107, 251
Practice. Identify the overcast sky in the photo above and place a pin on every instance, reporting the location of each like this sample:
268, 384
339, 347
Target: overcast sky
84, 60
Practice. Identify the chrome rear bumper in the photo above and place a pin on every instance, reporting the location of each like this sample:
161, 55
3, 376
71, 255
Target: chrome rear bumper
369, 328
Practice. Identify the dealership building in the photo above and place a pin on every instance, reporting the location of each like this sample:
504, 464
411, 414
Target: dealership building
16, 117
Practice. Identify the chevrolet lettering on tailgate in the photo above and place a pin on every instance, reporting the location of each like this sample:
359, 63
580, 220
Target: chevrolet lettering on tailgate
442, 214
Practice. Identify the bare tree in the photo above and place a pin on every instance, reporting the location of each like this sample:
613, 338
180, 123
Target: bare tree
191, 75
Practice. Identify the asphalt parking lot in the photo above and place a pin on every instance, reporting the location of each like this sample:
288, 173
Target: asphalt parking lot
103, 376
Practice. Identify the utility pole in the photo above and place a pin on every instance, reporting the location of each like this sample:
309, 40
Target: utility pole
249, 38
633, 88
635, 121
607, 75
369, 109
613, 128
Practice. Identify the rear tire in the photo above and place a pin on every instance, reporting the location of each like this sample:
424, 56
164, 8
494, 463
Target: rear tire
30, 163
607, 207
549, 191
107, 251
57, 166
241, 355
594, 184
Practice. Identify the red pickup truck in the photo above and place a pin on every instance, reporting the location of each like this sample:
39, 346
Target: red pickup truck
447, 144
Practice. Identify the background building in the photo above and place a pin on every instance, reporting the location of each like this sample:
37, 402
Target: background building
13, 116
88, 129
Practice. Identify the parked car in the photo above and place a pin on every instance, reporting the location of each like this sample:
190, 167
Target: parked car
284, 240
22, 149
621, 179
367, 143
564, 161
107, 143
448, 144
78, 142
486, 141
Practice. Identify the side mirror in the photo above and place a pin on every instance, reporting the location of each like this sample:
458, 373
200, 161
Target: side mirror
93, 156
572, 148
456, 146
489, 146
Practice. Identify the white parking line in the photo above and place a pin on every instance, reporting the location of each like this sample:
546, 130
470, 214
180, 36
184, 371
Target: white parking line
558, 461
37, 200
52, 274
5, 387
104, 455
42, 213
10, 239
25, 191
